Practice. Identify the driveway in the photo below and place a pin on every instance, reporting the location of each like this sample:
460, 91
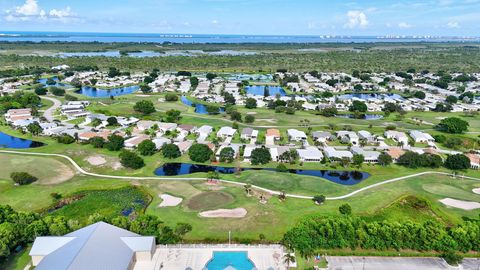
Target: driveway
48, 114
383, 263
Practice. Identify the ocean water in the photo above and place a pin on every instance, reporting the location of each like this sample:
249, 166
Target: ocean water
196, 38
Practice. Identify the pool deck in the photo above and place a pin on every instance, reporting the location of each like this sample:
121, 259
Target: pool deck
195, 257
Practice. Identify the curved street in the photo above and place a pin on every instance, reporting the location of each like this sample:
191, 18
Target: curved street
273, 192
48, 113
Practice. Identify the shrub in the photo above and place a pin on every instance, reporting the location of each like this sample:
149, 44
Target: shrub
452, 258
171, 151
147, 148
114, 143
65, 139
97, 142
56, 91
345, 209
249, 118
23, 178
171, 97
41, 91
144, 106
200, 152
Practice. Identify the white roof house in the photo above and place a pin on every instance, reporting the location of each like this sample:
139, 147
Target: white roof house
365, 135
310, 154
370, 156
421, 137
145, 124
321, 136
348, 137
397, 136
332, 153
296, 135
248, 133
98, 246
203, 132
247, 152
135, 141
160, 141
226, 132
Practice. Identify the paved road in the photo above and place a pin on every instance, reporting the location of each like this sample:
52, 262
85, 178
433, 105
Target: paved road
273, 192
48, 114
394, 263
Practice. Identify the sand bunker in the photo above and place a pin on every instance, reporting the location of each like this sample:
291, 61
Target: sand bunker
96, 160
476, 190
169, 201
225, 213
465, 205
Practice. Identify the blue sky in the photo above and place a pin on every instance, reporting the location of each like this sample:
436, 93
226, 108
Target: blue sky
271, 17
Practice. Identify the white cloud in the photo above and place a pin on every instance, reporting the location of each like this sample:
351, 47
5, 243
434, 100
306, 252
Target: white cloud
356, 19
404, 25
31, 10
312, 25
215, 22
453, 25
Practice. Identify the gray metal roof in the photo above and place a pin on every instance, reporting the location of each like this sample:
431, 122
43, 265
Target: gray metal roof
98, 246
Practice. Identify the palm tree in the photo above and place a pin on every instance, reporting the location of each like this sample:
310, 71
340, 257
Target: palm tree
288, 259
248, 189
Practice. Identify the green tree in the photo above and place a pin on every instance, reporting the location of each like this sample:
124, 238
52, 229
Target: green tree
171, 97
131, 160
41, 91
453, 125
319, 199
236, 116
457, 162
329, 111
260, 156
115, 143
34, 128
345, 209
249, 118
144, 107
419, 94
112, 121
171, 151
147, 148
250, 103
358, 106
145, 88
56, 91
384, 159
211, 76
358, 159
97, 142
173, 116
227, 154
200, 152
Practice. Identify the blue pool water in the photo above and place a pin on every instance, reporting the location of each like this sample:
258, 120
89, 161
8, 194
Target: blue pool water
106, 93
259, 90
347, 178
230, 260
7, 141
199, 108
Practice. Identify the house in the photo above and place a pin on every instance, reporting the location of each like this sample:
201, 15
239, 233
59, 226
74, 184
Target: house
395, 153
166, 127
226, 132
184, 146
333, 154
474, 160
160, 142
420, 137
322, 136
135, 141
143, 125
296, 135
366, 136
348, 137
186, 128
247, 152
249, 133
47, 127
271, 136
85, 136
235, 147
369, 156
310, 154
203, 132
98, 246
14, 115
400, 137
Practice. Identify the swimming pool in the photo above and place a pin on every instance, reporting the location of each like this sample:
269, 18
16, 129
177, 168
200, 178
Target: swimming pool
230, 260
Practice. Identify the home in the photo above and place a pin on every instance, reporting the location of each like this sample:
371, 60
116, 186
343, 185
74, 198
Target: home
310, 154
47, 127
98, 246
226, 132
160, 142
247, 152
474, 160
296, 135
135, 141
400, 137
144, 125
203, 132
235, 147
271, 136
166, 127
186, 128
126, 122
366, 136
184, 146
395, 153
14, 115
85, 136
369, 156
249, 133
348, 137
420, 137
322, 136
333, 154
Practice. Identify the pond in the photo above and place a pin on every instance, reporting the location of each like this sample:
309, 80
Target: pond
7, 141
55, 79
199, 108
230, 260
139, 54
106, 93
259, 90
361, 116
371, 96
340, 177
251, 77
